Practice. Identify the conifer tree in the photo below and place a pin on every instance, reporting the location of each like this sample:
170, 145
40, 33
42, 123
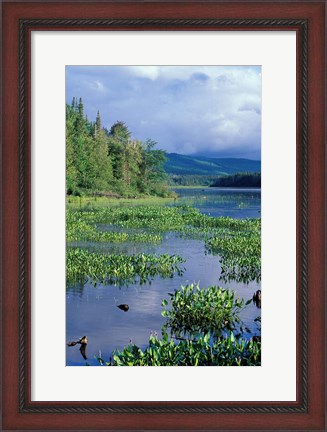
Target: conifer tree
98, 123
101, 160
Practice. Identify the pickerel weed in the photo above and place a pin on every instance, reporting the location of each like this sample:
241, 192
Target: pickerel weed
118, 268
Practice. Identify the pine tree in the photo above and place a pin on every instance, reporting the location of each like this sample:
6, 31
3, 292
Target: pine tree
101, 160
71, 173
98, 123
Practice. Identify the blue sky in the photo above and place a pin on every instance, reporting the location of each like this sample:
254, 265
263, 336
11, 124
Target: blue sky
208, 110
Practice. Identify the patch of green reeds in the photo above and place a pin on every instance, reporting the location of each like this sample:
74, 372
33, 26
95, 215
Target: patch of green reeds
236, 241
80, 228
184, 220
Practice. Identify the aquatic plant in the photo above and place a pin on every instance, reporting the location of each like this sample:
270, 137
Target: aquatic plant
212, 313
240, 256
193, 310
184, 220
225, 351
236, 241
158, 218
79, 228
114, 269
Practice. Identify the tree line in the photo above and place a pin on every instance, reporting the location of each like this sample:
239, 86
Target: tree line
109, 161
246, 179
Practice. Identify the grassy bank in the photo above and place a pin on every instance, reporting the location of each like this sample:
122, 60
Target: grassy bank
75, 202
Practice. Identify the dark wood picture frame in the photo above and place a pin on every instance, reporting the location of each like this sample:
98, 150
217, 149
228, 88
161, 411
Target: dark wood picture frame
19, 19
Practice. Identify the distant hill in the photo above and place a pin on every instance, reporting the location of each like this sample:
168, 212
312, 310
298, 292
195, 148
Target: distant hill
199, 165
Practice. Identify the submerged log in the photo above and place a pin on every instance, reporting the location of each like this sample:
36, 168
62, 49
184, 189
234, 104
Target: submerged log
82, 341
71, 344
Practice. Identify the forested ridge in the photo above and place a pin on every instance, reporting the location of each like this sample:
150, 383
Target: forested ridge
244, 179
110, 162
182, 165
176, 180
192, 170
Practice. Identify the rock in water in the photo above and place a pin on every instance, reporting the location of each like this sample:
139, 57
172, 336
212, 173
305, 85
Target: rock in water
123, 307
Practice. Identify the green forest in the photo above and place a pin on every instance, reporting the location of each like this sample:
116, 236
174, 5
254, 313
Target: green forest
245, 179
110, 162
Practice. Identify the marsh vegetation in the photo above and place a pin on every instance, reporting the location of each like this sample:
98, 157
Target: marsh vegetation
187, 278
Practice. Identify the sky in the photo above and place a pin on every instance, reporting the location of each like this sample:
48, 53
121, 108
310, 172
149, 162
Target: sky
211, 111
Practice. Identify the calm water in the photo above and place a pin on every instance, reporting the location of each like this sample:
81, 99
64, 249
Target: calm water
237, 203
93, 311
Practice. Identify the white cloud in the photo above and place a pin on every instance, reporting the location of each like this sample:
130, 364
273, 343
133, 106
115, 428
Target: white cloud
187, 109
97, 85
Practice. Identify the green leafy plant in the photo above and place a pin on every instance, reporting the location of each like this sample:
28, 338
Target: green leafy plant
240, 256
225, 351
193, 310
114, 269
80, 228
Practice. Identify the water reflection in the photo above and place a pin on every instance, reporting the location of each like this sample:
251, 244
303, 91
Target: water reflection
75, 289
83, 351
240, 274
82, 342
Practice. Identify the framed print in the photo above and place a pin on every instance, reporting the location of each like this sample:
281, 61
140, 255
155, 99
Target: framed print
163, 205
